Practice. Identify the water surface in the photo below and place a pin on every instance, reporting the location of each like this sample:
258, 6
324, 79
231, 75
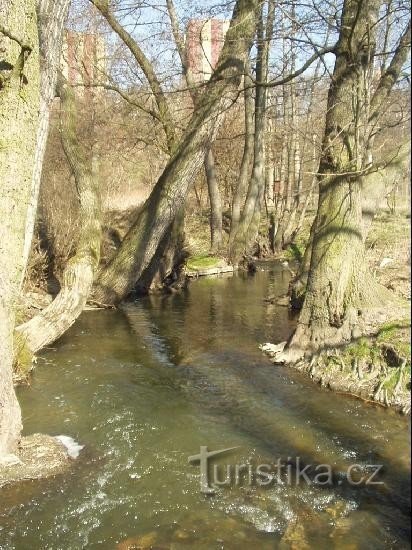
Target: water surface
145, 387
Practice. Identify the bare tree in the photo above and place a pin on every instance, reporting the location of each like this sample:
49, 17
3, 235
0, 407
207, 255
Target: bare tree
216, 228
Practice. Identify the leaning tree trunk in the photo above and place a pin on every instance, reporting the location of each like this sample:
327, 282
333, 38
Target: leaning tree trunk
19, 118
168, 259
169, 193
340, 291
216, 229
79, 273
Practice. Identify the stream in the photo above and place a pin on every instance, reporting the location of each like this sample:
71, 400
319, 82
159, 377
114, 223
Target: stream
144, 387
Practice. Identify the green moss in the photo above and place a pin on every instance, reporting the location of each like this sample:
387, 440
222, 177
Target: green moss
397, 335
359, 350
295, 252
394, 377
23, 359
196, 263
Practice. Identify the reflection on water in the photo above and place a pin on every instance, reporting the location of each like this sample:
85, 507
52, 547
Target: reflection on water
145, 387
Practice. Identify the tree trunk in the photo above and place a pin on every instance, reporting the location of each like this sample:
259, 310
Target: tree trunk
167, 260
216, 228
19, 118
79, 273
52, 16
247, 158
340, 290
250, 218
168, 195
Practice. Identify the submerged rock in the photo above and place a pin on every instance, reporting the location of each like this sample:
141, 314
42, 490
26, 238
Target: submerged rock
38, 456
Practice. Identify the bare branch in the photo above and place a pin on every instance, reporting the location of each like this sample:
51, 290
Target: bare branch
305, 66
391, 75
147, 68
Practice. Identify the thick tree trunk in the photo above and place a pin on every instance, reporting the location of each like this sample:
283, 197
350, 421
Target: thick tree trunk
79, 273
19, 117
169, 194
167, 260
52, 16
216, 227
340, 290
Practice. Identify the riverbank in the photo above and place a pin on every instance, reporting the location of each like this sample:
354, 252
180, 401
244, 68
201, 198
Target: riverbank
377, 367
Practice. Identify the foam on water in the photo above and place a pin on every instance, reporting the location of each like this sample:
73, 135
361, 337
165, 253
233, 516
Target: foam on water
73, 448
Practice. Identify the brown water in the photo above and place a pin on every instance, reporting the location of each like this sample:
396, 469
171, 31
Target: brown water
144, 388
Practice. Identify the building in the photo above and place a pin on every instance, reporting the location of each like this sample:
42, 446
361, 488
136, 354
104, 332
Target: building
204, 42
83, 60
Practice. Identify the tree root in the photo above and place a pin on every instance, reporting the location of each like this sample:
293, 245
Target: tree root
362, 369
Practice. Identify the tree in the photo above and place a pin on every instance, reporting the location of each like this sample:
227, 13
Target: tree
27, 77
248, 225
168, 195
341, 295
78, 275
216, 227
19, 117
247, 157
52, 16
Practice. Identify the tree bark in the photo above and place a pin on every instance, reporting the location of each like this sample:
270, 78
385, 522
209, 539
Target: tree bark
247, 158
250, 217
169, 194
78, 275
19, 118
216, 226
52, 15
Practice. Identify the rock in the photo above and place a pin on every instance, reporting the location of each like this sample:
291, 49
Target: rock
181, 534
272, 349
38, 456
283, 301
294, 537
385, 262
145, 542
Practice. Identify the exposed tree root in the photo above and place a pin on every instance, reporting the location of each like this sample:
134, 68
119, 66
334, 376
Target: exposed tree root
375, 368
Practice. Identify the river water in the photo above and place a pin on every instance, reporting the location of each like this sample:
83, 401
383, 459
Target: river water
145, 387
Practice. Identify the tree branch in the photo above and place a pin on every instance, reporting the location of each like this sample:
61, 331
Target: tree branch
291, 76
147, 68
391, 75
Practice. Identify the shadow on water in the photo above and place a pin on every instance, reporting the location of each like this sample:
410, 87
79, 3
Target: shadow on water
143, 389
